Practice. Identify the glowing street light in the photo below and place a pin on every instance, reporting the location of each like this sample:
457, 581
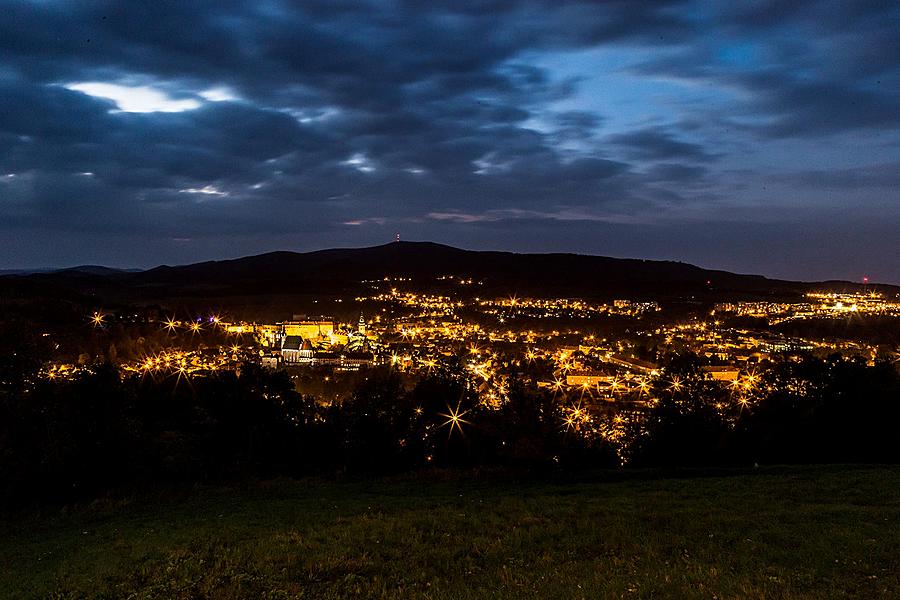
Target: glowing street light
615, 384
644, 386
575, 417
455, 418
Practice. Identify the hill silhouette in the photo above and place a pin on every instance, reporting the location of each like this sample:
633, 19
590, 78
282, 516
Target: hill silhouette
338, 271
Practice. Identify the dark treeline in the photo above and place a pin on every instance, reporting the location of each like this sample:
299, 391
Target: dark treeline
61, 440
807, 410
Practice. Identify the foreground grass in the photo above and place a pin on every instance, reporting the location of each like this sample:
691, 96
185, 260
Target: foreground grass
814, 532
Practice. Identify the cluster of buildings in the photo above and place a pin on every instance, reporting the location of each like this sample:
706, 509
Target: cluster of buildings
561, 308
828, 305
315, 341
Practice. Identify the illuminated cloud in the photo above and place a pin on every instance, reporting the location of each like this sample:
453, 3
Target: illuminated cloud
206, 190
368, 220
218, 94
360, 162
135, 99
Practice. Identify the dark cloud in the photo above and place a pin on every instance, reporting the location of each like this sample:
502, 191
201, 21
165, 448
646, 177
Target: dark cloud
881, 176
58, 130
658, 144
675, 172
576, 125
802, 68
795, 108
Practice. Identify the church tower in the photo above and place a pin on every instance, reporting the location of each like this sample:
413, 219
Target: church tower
361, 327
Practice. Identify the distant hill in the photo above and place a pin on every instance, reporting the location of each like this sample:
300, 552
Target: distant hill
92, 269
340, 271
95, 270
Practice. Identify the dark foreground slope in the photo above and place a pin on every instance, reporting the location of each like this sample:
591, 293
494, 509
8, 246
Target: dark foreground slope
809, 532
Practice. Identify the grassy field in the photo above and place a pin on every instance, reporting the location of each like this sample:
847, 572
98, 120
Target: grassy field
817, 532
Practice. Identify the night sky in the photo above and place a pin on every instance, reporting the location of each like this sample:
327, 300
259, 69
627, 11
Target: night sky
751, 136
